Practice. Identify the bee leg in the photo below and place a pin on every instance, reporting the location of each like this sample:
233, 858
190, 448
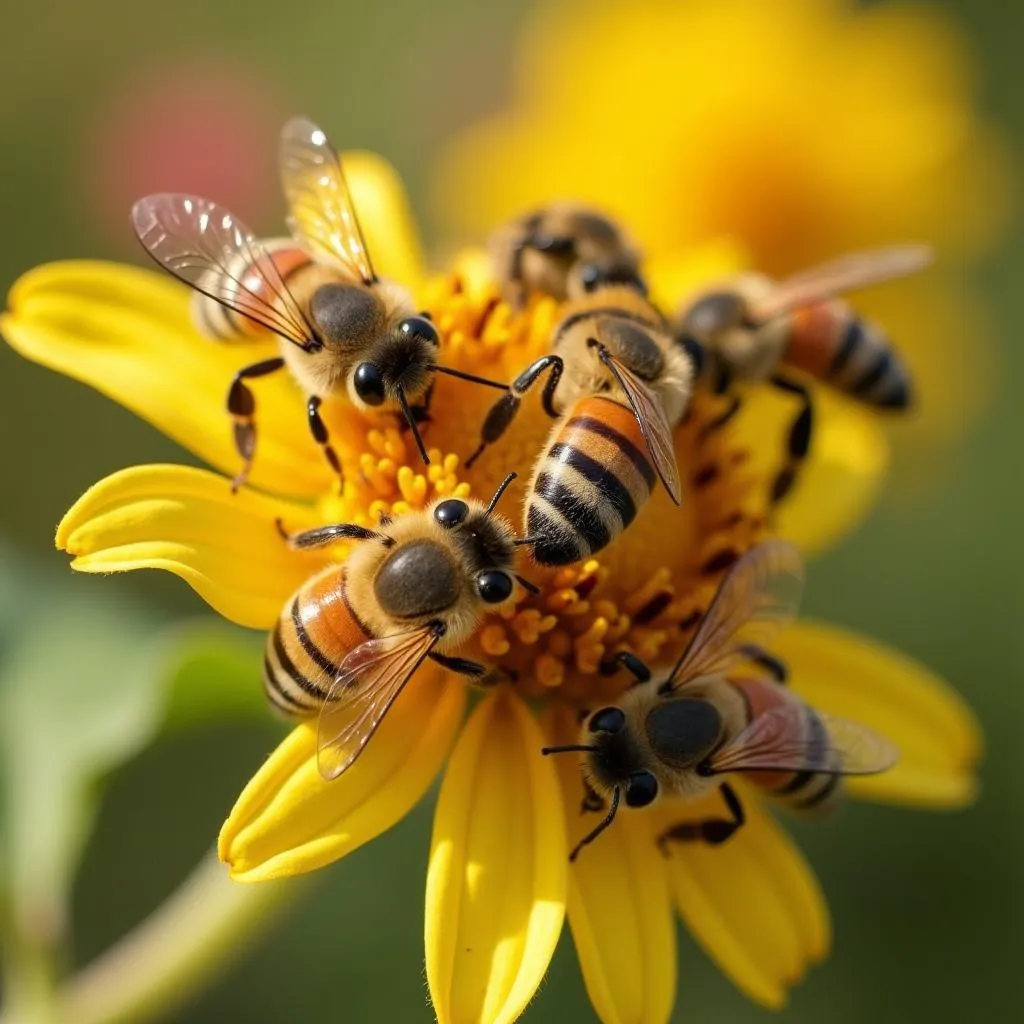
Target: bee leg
421, 411
628, 661
324, 535
318, 429
463, 666
241, 405
707, 830
593, 802
721, 419
505, 408
777, 669
799, 441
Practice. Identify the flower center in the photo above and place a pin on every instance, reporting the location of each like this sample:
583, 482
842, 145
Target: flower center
645, 592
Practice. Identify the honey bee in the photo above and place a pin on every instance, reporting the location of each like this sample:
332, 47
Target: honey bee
752, 329
344, 331
617, 385
678, 735
350, 638
565, 250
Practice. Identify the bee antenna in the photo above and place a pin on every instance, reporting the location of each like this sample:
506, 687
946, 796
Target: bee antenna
527, 585
568, 748
413, 426
603, 824
502, 487
471, 377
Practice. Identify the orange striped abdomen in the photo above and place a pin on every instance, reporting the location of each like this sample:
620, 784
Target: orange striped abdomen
590, 484
805, 791
218, 322
316, 630
831, 343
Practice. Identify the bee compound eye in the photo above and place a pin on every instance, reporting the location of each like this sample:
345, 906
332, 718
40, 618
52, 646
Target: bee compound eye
418, 327
641, 789
369, 383
494, 586
451, 512
608, 720
591, 276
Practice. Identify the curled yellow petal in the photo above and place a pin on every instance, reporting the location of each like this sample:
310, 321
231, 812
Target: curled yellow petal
620, 911
188, 522
939, 739
380, 199
496, 881
289, 820
753, 902
128, 333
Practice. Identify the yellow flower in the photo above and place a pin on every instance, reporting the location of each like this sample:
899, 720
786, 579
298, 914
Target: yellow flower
802, 128
499, 883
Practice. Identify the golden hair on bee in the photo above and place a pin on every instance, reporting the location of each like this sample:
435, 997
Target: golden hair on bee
677, 733
753, 330
344, 332
565, 250
617, 385
349, 639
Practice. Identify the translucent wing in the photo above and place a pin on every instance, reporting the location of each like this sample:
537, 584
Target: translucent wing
319, 201
208, 248
846, 274
783, 740
654, 424
370, 679
756, 600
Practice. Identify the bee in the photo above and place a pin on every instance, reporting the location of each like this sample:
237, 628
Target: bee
343, 330
350, 638
565, 250
677, 736
753, 329
617, 386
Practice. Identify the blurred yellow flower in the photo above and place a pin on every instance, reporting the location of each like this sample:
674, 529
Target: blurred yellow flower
801, 128
499, 884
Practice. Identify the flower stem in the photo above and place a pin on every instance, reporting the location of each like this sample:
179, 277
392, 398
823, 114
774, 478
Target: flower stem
191, 937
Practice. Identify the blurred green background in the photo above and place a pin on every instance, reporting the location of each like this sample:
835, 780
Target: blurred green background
100, 103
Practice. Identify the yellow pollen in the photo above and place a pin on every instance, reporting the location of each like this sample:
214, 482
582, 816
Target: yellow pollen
645, 592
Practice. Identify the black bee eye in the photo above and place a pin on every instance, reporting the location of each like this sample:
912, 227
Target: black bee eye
591, 276
494, 586
641, 789
451, 512
608, 720
369, 383
418, 327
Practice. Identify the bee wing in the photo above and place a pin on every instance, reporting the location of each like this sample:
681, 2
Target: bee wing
756, 600
845, 274
779, 740
321, 212
368, 682
208, 248
654, 424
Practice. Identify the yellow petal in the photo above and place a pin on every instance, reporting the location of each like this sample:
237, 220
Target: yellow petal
620, 911
497, 875
753, 902
380, 199
188, 522
288, 820
939, 738
128, 333
840, 480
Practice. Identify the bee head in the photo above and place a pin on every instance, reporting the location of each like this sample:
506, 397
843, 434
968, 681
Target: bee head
615, 759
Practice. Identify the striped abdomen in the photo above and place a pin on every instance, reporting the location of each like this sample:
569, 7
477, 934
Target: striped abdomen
218, 322
830, 342
590, 483
807, 791
315, 632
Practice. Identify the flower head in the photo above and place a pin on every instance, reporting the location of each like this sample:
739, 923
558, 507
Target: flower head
695, 121
499, 882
